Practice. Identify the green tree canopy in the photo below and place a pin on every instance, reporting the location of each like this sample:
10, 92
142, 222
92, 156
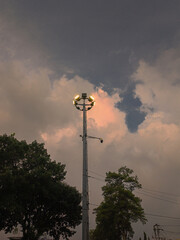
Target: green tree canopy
33, 193
120, 207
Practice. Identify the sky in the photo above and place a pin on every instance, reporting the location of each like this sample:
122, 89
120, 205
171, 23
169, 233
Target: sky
127, 55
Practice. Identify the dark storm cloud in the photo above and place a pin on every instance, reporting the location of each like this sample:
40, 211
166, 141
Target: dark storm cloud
131, 106
100, 40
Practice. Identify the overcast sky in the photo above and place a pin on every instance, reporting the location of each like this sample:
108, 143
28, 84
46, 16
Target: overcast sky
127, 54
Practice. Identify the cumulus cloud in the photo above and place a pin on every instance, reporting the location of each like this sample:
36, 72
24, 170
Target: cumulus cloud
159, 86
159, 92
158, 137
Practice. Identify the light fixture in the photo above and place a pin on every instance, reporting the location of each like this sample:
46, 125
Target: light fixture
77, 97
91, 98
79, 105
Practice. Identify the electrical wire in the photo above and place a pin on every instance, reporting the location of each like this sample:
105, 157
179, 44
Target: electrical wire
96, 178
145, 193
172, 232
161, 192
170, 225
143, 188
170, 197
97, 174
161, 216
155, 197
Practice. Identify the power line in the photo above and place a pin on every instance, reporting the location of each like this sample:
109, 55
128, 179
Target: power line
145, 192
165, 193
159, 198
172, 232
153, 215
161, 216
145, 189
97, 174
96, 178
171, 197
170, 225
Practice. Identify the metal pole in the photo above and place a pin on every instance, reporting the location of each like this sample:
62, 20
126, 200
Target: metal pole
85, 197
85, 200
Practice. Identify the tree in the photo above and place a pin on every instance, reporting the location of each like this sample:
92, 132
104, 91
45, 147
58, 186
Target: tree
120, 207
33, 192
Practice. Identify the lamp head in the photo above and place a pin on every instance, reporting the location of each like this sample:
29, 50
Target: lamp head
91, 99
77, 97
88, 105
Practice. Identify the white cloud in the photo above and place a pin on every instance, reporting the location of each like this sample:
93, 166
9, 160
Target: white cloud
160, 85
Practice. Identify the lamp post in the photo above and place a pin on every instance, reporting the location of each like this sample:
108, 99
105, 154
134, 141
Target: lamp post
84, 104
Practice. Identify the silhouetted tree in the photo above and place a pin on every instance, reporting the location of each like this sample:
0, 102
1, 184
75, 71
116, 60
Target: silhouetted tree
120, 207
33, 193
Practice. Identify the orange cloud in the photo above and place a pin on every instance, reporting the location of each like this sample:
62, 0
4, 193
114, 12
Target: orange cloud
104, 112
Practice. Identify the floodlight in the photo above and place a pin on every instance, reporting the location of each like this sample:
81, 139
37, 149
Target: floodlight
91, 98
77, 98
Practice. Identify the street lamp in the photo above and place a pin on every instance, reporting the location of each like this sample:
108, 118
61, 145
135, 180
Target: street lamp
84, 104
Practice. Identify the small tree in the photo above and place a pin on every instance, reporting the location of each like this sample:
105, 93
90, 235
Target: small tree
120, 207
33, 193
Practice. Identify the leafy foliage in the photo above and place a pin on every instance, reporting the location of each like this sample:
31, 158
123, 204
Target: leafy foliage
120, 208
33, 193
